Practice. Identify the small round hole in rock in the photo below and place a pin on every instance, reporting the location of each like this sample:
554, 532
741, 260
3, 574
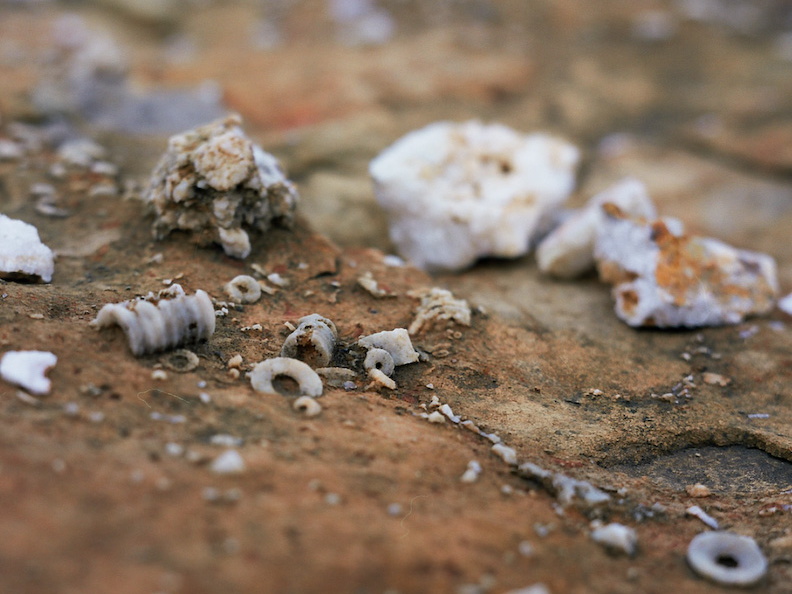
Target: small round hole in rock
286, 385
727, 561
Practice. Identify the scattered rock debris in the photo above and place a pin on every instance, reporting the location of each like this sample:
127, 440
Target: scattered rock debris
566, 489
617, 538
213, 182
438, 305
472, 472
372, 287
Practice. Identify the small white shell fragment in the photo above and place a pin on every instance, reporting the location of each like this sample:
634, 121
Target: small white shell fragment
727, 558
568, 251
214, 180
367, 282
10, 150
472, 472
308, 406
664, 278
243, 289
535, 589
785, 304
505, 453
379, 359
27, 369
235, 362
456, 192
698, 490
436, 417
566, 489
266, 371
225, 440
439, 305
379, 378
229, 462
156, 323
697, 512
313, 341
397, 342
448, 412
616, 537
22, 255
159, 375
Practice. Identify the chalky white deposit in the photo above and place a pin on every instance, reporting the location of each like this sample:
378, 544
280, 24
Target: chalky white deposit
456, 192
159, 322
215, 183
22, 255
665, 278
616, 537
397, 342
27, 369
569, 250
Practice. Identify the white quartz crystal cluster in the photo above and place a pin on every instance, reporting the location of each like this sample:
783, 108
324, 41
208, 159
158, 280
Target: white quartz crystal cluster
456, 192
217, 184
661, 276
22, 255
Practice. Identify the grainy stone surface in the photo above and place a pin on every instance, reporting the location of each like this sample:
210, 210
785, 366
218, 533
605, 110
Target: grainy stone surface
106, 482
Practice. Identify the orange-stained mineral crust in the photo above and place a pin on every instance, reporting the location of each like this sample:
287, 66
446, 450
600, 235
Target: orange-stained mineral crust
665, 278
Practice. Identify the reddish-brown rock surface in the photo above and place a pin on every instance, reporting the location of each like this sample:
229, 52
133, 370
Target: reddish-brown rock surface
106, 482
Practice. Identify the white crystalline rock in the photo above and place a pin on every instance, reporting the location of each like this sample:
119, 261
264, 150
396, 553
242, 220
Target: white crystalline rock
664, 278
456, 192
397, 342
616, 537
22, 255
215, 183
569, 250
26, 369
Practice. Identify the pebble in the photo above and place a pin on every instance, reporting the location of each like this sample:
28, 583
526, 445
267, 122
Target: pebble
229, 462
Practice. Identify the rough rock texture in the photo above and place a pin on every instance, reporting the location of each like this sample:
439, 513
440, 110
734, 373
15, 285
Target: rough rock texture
216, 183
106, 482
665, 278
456, 192
568, 251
